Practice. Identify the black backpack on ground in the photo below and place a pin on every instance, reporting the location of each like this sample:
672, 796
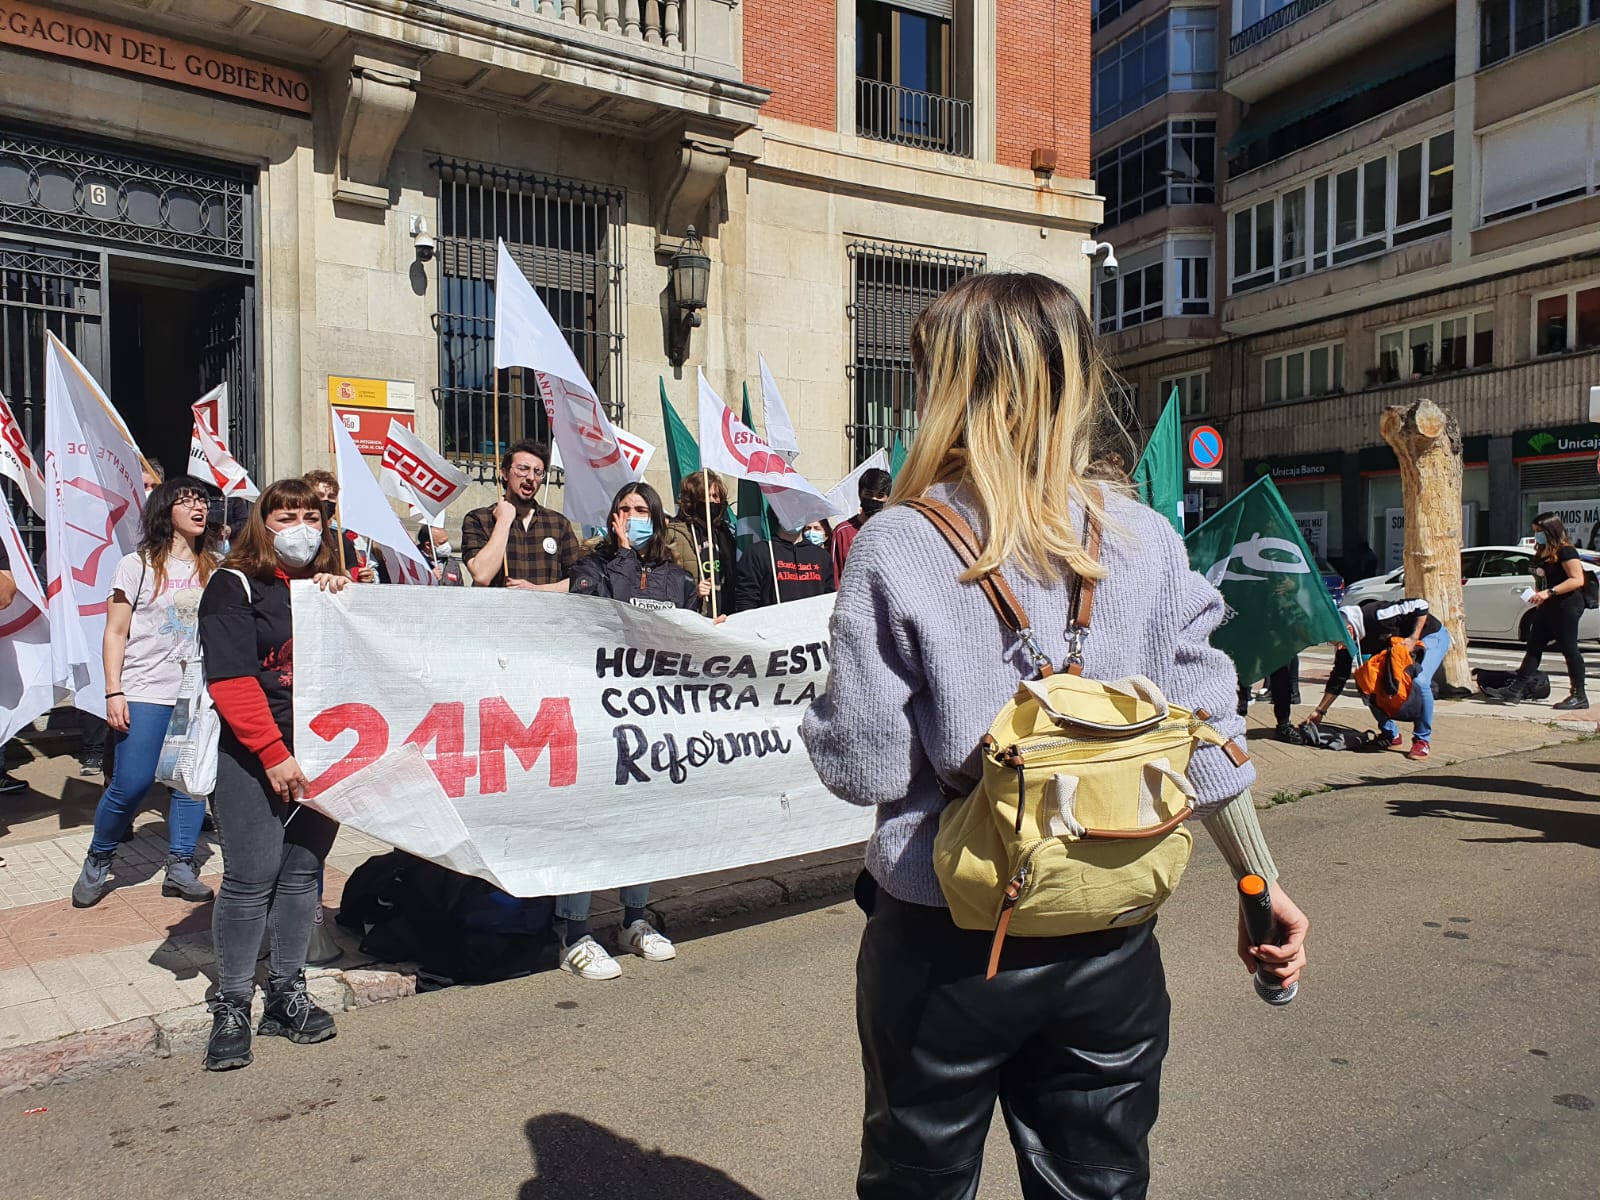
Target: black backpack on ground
1538, 685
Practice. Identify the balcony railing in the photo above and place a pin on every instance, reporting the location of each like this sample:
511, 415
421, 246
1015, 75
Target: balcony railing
650, 22
887, 112
1271, 23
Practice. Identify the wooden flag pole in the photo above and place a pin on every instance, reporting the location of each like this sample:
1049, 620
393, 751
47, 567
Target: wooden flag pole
711, 542
494, 454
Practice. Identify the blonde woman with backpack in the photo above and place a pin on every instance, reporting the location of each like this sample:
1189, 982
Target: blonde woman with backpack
1070, 1032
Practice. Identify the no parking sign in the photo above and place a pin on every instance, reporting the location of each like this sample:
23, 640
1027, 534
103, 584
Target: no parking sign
1205, 447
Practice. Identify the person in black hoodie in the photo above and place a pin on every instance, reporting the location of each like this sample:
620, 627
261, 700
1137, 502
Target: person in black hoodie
633, 564
792, 566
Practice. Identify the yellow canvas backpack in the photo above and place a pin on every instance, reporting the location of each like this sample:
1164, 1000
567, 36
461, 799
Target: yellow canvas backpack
1078, 822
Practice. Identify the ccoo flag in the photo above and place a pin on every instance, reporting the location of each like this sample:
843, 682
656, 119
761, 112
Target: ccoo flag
1274, 601
16, 460
364, 509
208, 452
1159, 473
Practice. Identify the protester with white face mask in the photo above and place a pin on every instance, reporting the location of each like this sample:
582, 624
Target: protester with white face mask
794, 565
633, 564
273, 848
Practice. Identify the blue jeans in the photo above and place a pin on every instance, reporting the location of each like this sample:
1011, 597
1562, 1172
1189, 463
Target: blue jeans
576, 906
134, 770
1433, 648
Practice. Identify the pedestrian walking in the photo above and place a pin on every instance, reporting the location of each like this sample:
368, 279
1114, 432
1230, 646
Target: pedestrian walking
273, 847
1070, 1033
517, 542
702, 542
1373, 625
634, 565
1558, 606
151, 622
794, 565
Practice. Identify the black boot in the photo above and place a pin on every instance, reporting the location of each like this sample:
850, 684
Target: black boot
1573, 702
229, 1045
291, 1013
1511, 693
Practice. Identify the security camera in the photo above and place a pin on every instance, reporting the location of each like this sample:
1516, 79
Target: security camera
1105, 251
422, 239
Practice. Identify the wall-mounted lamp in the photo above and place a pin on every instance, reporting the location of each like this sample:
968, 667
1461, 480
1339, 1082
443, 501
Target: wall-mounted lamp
689, 278
422, 239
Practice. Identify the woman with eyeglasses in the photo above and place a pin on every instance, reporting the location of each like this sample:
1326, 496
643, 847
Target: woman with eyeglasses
151, 620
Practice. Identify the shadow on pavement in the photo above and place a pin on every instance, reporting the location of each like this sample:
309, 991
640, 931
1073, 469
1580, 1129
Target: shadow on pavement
576, 1157
1548, 825
1512, 787
1593, 768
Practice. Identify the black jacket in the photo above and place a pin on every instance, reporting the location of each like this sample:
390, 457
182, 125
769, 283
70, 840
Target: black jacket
778, 571
620, 574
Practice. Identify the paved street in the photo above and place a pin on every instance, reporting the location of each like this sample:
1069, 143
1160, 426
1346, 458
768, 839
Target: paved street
1442, 1047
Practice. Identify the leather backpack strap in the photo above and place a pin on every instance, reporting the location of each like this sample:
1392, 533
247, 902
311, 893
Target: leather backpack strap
1082, 601
955, 530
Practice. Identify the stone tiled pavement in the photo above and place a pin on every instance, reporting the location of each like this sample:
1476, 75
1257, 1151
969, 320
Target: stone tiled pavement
138, 955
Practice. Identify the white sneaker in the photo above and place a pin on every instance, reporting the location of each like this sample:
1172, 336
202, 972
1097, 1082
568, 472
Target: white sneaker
641, 938
587, 959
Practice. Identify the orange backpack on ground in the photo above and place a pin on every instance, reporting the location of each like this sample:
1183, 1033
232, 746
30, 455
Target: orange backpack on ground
1389, 679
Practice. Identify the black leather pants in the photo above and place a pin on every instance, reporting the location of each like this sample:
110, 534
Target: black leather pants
1069, 1036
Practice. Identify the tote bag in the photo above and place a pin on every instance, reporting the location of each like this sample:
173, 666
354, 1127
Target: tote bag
188, 758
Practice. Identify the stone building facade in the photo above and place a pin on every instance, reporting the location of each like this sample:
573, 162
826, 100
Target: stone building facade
302, 199
1333, 206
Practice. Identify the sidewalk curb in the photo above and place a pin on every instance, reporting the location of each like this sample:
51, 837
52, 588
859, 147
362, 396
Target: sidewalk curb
183, 1031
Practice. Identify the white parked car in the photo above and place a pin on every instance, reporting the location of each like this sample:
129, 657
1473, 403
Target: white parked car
1493, 581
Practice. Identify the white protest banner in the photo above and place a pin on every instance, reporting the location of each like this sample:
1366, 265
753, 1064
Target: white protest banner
16, 460
94, 493
525, 335
728, 445
364, 509
635, 449
418, 475
845, 496
586, 744
780, 429
209, 457
26, 687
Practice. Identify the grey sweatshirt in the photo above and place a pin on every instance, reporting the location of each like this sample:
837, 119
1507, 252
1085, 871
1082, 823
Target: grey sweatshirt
921, 665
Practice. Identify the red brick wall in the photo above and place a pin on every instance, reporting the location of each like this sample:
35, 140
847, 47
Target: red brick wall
790, 48
1025, 117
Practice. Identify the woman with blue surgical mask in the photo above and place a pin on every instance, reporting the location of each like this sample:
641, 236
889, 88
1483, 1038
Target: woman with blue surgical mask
273, 848
634, 565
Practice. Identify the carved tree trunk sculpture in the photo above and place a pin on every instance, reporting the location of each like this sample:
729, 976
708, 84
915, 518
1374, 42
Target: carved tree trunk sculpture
1427, 441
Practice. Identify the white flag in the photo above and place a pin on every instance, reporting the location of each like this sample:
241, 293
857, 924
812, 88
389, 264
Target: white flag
208, 452
525, 335
418, 475
635, 449
728, 445
845, 496
16, 460
26, 689
364, 509
94, 493
780, 429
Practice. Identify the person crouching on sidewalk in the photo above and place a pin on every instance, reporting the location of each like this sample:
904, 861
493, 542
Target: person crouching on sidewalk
1372, 624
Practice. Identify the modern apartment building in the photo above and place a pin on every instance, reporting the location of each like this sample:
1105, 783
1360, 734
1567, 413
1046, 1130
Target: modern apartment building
301, 198
1326, 207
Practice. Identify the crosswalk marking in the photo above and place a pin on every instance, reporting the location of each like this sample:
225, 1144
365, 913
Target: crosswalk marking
1497, 657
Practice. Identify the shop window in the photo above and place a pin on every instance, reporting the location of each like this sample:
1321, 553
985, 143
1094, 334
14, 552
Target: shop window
1436, 347
1567, 320
1317, 371
1193, 400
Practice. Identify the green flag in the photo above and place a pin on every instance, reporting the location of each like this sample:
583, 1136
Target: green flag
1275, 603
897, 457
753, 524
683, 452
1159, 475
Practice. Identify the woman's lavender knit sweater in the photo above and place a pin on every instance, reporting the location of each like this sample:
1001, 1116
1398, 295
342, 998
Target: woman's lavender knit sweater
921, 665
